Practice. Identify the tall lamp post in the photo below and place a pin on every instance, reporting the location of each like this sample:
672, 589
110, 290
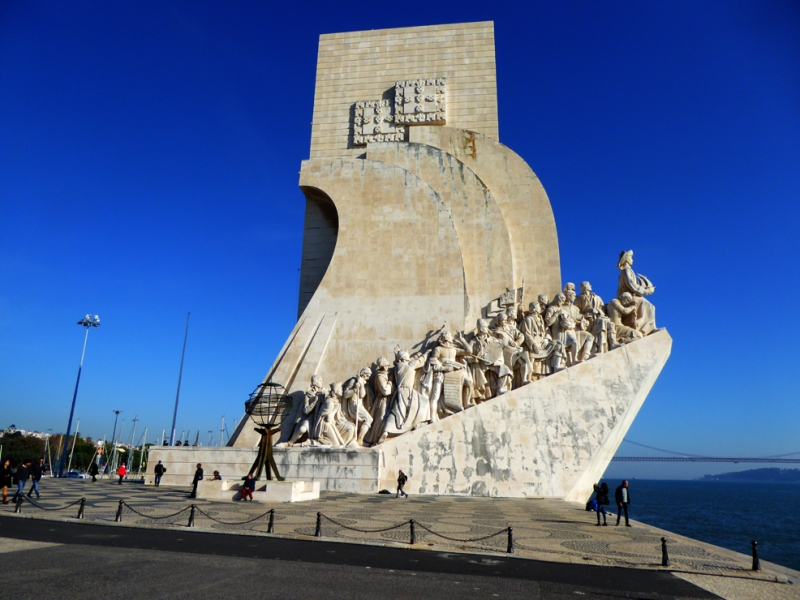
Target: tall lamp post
180, 375
88, 322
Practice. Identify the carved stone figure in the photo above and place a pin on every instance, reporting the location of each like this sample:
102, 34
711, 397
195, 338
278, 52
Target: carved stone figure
408, 408
383, 392
544, 302
551, 315
486, 362
638, 286
562, 331
537, 341
325, 432
443, 363
583, 349
356, 401
594, 311
620, 310
304, 418
514, 356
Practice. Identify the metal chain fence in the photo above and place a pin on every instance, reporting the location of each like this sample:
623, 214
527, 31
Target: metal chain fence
51, 509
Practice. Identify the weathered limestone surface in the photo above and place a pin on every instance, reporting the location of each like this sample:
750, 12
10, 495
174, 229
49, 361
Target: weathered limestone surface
483, 238
553, 437
519, 195
353, 470
365, 65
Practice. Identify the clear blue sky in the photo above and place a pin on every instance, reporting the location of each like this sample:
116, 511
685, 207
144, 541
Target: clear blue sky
148, 167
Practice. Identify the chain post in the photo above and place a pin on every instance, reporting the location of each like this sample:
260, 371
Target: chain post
271, 526
18, 507
191, 517
756, 561
318, 530
118, 518
510, 547
664, 553
80, 510
413, 533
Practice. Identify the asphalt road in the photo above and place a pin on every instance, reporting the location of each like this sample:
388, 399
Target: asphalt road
118, 562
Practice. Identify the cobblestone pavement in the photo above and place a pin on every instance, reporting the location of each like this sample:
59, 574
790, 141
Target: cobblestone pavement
544, 529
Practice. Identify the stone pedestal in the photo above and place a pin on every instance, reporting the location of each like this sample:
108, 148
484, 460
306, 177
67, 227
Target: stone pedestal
287, 491
266, 491
352, 470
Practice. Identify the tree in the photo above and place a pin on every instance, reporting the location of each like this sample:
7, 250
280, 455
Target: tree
18, 447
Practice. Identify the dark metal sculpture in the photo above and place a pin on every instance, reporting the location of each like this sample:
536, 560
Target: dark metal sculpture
268, 406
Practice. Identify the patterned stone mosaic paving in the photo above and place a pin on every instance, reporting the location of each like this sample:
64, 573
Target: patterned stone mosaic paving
544, 529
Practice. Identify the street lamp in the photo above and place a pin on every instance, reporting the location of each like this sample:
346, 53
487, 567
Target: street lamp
88, 322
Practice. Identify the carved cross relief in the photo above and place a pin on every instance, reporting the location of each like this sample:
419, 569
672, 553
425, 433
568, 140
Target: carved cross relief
420, 101
374, 121
415, 102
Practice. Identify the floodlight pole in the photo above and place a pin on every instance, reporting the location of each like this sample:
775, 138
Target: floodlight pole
88, 322
141, 453
74, 442
180, 375
133, 440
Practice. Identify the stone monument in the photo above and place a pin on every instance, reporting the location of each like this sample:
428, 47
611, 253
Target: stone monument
426, 337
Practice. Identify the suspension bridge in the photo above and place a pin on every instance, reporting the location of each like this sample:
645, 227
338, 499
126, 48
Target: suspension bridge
684, 457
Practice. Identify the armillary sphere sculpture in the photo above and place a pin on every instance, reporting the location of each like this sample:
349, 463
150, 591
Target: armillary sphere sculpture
268, 406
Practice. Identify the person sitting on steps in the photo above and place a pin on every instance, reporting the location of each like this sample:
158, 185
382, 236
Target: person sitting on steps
248, 487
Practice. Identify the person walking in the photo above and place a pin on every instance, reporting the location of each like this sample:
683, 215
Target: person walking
36, 477
121, 472
601, 495
623, 497
401, 481
94, 470
159, 470
23, 474
5, 479
198, 477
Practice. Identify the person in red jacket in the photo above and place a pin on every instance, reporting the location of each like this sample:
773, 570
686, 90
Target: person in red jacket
121, 472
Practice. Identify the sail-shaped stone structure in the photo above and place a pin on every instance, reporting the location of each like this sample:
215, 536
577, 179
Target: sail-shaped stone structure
419, 221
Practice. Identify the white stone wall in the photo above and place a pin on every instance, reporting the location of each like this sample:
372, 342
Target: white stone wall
336, 470
551, 438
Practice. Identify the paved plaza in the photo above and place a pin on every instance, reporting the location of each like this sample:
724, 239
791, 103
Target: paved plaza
544, 529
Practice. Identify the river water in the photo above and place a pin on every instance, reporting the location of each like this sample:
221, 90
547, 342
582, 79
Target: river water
723, 513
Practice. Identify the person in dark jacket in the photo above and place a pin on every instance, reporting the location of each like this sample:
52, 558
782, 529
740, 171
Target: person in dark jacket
248, 487
401, 481
623, 498
5, 479
94, 470
36, 476
159, 471
198, 477
601, 496
23, 474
